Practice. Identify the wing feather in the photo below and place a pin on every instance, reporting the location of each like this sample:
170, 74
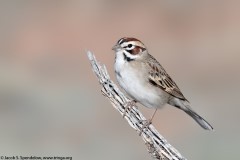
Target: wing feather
159, 77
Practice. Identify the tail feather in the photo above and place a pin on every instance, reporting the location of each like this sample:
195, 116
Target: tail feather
202, 122
184, 105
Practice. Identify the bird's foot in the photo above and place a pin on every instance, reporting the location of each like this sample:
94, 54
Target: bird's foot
145, 125
128, 105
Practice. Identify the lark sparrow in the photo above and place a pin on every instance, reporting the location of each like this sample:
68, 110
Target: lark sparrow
146, 81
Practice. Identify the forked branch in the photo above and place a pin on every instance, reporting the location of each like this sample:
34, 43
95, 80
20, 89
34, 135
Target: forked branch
156, 144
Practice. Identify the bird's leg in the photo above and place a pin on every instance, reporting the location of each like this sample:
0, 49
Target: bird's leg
146, 123
128, 105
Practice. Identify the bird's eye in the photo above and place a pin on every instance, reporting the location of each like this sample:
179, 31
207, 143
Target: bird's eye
130, 45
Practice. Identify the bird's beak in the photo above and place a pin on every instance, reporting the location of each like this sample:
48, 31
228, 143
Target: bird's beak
116, 47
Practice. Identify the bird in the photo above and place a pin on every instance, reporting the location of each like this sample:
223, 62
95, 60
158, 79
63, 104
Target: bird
145, 81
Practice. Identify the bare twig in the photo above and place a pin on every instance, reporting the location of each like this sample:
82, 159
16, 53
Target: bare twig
156, 144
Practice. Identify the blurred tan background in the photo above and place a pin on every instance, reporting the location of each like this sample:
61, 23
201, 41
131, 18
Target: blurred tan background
50, 101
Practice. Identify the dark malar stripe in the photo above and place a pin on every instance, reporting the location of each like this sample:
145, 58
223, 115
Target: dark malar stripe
127, 58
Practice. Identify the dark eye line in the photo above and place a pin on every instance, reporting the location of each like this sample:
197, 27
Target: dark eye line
131, 46
143, 49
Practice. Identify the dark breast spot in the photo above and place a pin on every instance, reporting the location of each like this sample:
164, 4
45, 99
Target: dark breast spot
118, 74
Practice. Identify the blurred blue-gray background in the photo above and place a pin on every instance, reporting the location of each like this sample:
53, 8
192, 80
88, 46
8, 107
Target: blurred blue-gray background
50, 101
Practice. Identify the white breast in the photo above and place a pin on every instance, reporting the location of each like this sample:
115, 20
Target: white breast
134, 81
